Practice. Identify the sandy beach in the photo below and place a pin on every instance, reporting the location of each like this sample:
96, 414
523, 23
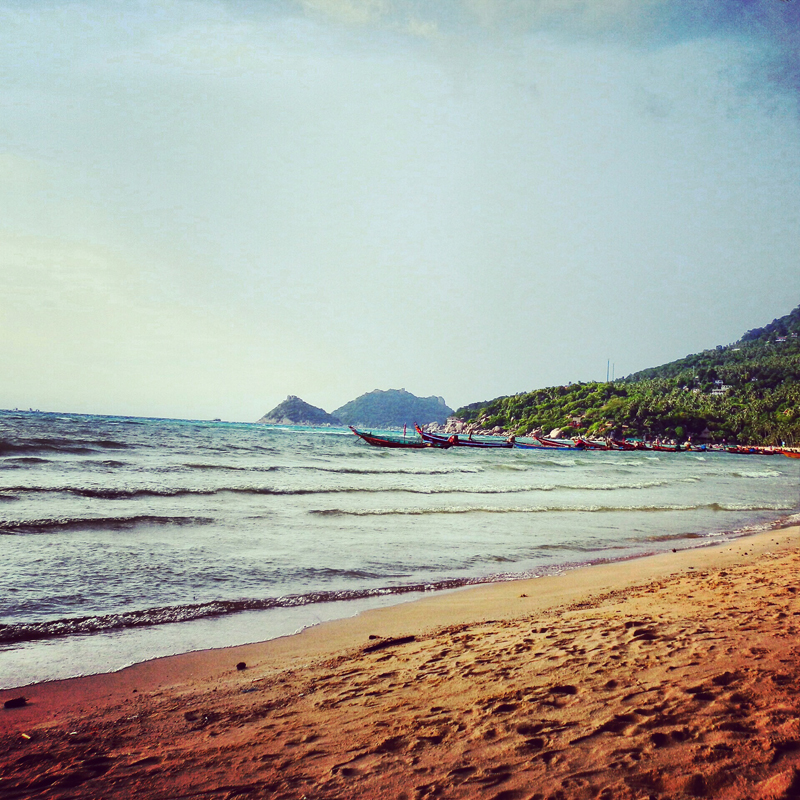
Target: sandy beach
669, 676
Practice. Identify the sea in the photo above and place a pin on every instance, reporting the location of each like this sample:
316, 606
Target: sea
124, 539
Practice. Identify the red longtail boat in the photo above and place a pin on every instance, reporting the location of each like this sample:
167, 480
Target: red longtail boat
390, 441
621, 444
590, 444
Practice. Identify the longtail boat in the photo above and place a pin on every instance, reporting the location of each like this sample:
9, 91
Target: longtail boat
590, 444
621, 444
455, 441
561, 444
390, 441
748, 450
791, 453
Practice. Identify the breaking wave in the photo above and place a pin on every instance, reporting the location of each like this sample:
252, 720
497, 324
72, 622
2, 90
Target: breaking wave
102, 493
667, 507
58, 445
9, 528
70, 626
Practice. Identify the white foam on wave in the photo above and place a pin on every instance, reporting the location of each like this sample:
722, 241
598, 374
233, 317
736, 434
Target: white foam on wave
73, 656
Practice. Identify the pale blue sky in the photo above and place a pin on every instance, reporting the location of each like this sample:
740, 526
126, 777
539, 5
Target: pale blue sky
206, 206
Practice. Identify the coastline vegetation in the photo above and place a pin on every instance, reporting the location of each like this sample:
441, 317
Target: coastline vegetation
747, 392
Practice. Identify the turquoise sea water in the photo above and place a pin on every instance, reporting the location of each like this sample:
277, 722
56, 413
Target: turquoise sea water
123, 539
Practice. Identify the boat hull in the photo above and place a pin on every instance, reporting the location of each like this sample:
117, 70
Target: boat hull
558, 444
455, 441
381, 441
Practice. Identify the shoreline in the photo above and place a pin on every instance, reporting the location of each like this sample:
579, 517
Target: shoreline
482, 598
528, 673
313, 615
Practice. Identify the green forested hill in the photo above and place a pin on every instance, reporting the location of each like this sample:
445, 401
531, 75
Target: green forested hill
392, 408
748, 392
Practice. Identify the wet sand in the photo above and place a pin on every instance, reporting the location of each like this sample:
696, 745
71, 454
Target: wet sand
672, 676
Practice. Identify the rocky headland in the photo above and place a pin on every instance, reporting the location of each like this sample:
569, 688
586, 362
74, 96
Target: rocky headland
294, 411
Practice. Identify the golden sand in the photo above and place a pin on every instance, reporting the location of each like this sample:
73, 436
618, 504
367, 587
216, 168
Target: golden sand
673, 676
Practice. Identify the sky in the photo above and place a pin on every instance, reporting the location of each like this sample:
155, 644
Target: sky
208, 205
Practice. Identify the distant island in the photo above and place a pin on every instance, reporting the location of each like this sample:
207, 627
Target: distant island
294, 411
392, 408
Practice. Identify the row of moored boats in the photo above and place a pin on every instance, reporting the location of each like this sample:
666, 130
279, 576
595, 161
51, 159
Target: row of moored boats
427, 440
